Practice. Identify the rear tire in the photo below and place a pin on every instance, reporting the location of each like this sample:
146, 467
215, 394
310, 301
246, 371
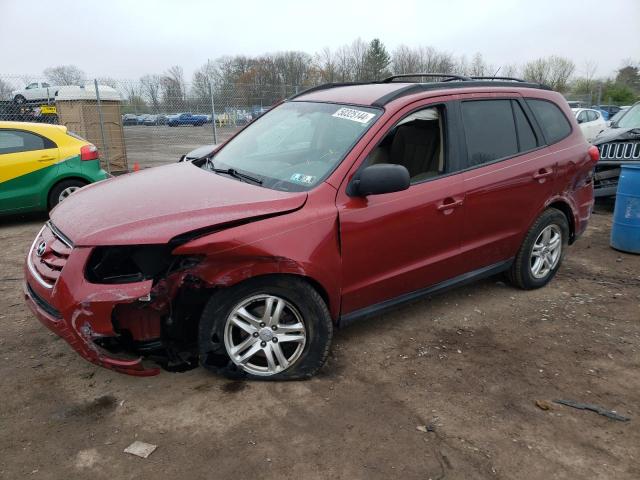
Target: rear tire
542, 251
63, 189
235, 324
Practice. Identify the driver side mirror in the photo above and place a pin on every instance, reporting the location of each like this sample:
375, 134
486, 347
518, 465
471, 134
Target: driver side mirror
380, 178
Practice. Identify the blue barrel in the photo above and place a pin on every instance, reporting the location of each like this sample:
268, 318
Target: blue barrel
625, 233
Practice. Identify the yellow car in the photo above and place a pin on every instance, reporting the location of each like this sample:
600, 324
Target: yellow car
42, 164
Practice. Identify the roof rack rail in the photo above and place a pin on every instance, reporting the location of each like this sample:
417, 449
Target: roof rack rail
512, 79
447, 76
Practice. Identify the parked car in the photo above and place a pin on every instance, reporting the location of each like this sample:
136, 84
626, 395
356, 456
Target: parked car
186, 119
142, 117
590, 121
129, 119
35, 91
576, 104
155, 120
42, 164
336, 205
618, 144
610, 109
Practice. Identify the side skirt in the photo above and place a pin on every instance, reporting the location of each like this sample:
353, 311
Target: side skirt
393, 303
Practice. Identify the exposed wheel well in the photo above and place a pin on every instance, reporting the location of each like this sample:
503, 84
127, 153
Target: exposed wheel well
566, 210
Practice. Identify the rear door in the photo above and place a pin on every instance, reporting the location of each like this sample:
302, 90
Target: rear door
507, 179
26, 160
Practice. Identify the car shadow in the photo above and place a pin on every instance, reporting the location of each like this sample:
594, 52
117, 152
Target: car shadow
17, 219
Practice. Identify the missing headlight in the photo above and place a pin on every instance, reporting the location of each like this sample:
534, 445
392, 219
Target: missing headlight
133, 263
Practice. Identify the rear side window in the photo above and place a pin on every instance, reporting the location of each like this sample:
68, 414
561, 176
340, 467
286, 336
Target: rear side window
527, 139
490, 130
13, 141
554, 124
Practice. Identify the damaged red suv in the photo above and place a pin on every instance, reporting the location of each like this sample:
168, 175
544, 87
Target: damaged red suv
336, 205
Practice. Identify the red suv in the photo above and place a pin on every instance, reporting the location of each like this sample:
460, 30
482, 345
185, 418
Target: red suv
338, 204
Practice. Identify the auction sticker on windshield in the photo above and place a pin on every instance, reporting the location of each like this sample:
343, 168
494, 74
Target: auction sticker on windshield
354, 115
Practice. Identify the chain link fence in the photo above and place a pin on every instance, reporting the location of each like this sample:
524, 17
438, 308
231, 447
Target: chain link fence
147, 122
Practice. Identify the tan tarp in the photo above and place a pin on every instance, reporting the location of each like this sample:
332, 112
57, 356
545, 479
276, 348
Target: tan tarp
81, 117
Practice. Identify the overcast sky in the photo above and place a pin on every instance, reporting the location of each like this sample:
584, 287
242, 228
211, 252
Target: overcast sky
127, 39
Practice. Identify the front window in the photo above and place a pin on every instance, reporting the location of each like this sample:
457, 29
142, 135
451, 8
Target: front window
631, 118
296, 145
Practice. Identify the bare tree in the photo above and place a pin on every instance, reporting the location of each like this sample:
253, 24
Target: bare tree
404, 59
65, 75
150, 90
325, 61
553, 71
173, 88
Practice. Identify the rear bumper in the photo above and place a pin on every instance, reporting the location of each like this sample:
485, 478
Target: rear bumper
81, 312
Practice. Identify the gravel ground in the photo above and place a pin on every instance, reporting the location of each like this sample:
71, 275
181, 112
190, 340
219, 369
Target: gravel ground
468, 365
155, 145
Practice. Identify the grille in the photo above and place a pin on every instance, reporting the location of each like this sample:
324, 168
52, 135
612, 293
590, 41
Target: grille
49, 255
620, 151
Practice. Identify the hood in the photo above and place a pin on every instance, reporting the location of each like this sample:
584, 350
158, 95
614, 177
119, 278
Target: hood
616, 134
156, 204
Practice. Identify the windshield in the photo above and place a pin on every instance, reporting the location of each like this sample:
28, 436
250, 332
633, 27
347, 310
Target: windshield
631, 118
296, 145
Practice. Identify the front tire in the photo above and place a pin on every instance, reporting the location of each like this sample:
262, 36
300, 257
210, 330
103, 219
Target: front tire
268, 328
542, 251
19, 99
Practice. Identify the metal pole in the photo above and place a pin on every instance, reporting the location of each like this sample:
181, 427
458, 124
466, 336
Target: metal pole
213, 114
104, 140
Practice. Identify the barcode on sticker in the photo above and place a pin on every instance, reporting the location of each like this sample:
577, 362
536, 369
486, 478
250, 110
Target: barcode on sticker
354, 115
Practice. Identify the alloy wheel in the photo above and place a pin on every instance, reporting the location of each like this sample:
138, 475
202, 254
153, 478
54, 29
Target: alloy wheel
66, 192
546, 251
264, 335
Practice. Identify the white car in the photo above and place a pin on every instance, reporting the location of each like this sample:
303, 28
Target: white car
35, 91
591, 122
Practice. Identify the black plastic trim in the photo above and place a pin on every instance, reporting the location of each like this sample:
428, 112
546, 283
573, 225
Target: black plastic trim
42, 303
419, 87
387, 305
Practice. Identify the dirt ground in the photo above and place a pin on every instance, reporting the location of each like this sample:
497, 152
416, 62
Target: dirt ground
156, 145
469, 365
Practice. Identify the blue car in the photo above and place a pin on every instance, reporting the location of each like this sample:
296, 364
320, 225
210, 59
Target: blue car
186, 119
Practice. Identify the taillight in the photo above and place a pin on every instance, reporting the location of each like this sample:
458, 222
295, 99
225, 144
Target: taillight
594, 153
89, 152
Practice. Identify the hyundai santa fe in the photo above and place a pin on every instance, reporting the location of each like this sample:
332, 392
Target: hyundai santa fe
338, 204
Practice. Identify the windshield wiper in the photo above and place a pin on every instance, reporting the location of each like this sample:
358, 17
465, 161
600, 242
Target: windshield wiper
233, 173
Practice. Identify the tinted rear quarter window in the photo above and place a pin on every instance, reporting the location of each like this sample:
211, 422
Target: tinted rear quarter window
554, 124
526, 136
489, 129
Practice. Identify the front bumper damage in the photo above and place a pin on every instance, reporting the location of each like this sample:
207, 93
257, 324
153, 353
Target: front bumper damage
116, 326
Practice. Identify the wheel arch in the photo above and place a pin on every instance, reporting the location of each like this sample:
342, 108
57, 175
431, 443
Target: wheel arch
567, 210
241, 275
57, 181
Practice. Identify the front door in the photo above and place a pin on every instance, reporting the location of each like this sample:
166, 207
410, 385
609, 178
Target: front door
398, 243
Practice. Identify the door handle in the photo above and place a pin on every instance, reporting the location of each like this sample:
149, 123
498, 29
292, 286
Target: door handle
449, 203
542, 173
46, 158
